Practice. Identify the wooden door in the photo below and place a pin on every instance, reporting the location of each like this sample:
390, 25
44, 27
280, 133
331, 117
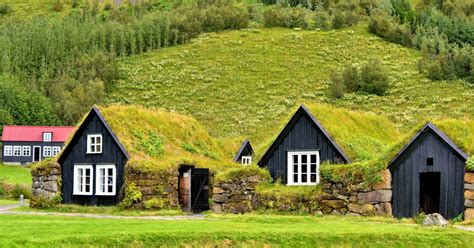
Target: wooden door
199, 189
185, 190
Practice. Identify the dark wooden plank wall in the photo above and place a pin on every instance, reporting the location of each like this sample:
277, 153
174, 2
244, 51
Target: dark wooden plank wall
111, 154
304, 135
245, 152
406, 177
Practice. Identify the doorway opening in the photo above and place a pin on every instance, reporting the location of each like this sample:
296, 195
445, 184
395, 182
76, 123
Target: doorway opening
36, 154
430, 184
193, 189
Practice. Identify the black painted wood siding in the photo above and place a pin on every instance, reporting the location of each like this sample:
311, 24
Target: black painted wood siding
406, 177
26, 159
245, 152
111, 154
304, 135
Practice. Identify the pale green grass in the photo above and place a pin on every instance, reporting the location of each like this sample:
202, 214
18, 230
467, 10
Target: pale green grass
15, 174
102, 210
5, 202
225, 231
246, 83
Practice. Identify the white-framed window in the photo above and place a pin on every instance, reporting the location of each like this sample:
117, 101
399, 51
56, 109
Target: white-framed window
105, 180
94, 143
16, 151
56, 150
47, 137
82, 181
47, 151
7, 151
246, 160
26, 151
303, 168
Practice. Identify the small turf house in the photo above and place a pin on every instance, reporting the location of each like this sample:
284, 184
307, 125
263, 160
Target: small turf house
428, 175
245, 154
92, 164
29, 144
298, 151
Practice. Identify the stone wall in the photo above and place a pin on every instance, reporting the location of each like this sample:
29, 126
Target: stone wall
235, 196
337, 198
161, 185
469, 195
46, 187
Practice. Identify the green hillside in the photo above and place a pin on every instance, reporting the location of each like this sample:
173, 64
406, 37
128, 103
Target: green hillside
244, 83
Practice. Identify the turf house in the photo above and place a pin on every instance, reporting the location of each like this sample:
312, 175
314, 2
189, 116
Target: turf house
245, 154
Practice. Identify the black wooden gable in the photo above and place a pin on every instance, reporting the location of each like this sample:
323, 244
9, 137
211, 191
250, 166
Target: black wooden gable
94, 112
302, 112
244, 150
428, 128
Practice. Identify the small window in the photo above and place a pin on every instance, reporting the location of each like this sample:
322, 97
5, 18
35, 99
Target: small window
105, 180
82, 181
7, 151
17, 151
429, 161
303, 168
94, 144
26, 151
47, 151
246, 160
56, 150
47, 137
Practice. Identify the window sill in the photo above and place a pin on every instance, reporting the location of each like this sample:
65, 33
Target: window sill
81, 193
92, 153
105, 194
301, 184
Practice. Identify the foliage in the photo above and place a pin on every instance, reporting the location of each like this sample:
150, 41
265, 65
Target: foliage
154, 203
419, 218
4, 9
470, 164
45, 202
152, 144
14, 191
132, 195
242, 171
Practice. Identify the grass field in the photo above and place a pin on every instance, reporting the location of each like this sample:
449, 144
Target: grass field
5, 202
103, 210
241, 231
242, 83
15, 174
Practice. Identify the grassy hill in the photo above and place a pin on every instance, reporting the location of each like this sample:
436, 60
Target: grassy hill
244, 83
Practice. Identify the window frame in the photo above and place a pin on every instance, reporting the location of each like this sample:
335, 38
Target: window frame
47, 134
98, 184
45, 149
55, 150
89, 144
290, 181
10, 149
76, 168
248, 160
26, 148
15, 149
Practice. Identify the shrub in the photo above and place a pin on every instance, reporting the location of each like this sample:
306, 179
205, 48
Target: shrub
107, 6
286, 17
323, 20
336, 86
419, 218
470, 164
154, 203
4, 9
45, 202
132, 195
18, 189
57, 6
374, 78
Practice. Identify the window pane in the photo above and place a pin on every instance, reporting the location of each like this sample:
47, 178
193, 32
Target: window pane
295, 159
313, 168
304, 168
295, 168
313, 158
313, 178
304, 178
295, 178
304, 159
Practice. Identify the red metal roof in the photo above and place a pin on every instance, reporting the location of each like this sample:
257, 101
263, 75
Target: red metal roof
35, 133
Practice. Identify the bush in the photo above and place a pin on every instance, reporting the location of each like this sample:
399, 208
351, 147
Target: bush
4, 9
132, 195
44, 202
18, 189
470, 164
155, 203
286, 17
374, 78
323, 20
336, 85
57, 6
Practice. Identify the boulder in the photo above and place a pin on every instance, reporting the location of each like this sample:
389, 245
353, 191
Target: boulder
386, 208
469, 186
352, 198
375, 196
469, 194
364, 209
386, 181
469, 177
469, 214
334, 203
217, 208
435, 220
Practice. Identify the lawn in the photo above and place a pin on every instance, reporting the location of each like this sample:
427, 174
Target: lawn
242, 83
241, 231
15, 174
5, 202
103, 210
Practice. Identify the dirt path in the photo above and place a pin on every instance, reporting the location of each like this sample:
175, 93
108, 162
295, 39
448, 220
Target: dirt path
7, 210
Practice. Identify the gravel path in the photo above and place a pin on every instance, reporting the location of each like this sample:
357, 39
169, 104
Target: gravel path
7, 210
